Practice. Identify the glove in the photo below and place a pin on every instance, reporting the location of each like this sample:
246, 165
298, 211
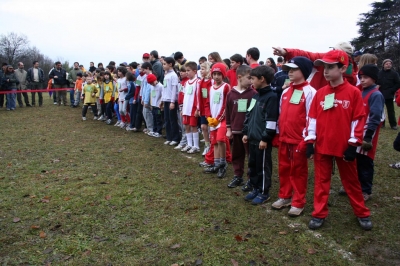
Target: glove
112, 99
275, 141
212, 122
350, 153
309, 150
101, 101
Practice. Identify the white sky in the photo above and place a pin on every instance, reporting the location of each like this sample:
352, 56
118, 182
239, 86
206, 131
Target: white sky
122, 30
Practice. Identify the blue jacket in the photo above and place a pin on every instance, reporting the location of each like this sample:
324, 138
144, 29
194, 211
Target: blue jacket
376, 104
131, 92
146, 87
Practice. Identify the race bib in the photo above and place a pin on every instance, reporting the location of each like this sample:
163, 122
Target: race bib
329, 101
204, 92
296, 96
138, 82
252, 103
242, 105
153, 93
189, 90
217, 97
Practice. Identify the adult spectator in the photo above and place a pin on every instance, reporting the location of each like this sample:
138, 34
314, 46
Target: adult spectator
389, 82
179, 58
92, 68
280, 63
157, 66
146, 58
72, 79
100, 65
356, 56
10, 81
252, 56
21, 76
271, 63
261, 63
52, 82
60, 82
2, 86
82, 68
35, 78
317, 79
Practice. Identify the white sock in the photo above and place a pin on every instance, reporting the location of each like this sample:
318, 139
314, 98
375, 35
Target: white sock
196, 140
189, 137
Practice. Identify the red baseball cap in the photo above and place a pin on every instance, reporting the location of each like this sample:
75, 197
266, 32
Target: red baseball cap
333, 57
146, 55
219, 67
151, 78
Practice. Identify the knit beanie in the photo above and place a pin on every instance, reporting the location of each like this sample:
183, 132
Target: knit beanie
385, 61
151, 78
219, 67
304, 64
369, 70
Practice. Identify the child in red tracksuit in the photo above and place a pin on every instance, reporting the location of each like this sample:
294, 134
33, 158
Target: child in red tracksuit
335, 125
237, 102
294, 107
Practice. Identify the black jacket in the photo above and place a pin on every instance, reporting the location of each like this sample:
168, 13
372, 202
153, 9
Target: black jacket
29, 76
61, 74
260, 122
9, 81
389, 82
158, 70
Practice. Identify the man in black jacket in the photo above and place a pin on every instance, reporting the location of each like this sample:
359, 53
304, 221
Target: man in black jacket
2, 88
60, 81
389, 82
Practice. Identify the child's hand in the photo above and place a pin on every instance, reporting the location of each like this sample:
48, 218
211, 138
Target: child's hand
244, 139
229, 133
263, 145
172, 106
93, 94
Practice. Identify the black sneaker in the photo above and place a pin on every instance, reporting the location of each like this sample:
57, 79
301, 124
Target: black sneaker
28, 105
247, 187
222, 170
205, 165
315, 223
211, 170
365, 223
236, 181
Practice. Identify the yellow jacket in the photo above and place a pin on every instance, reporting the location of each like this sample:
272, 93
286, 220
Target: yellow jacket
90, 93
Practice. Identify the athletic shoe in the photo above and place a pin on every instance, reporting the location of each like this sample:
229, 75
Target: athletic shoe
260, 199
83, 118
222, 170
108, 121
211, 170
315, 223
281, 203
186, 148
101, 118
167, 142
193, 150
128, 128
365, 223
205, 164
157, 135
122, 125
294, 211
247, 187
252, 195
95, 118
151, 134
179, 147
145, 130
8, 109
173, 143
206, 149
55, 103
366, 196
394, 128
117, 124
236, 181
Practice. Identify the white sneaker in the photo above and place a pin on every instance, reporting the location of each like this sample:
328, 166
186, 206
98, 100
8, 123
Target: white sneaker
281, 203
109, 121
55, 103
101, 118
294, 211
145, 130
206, 150
186, 148
193, 150
117, 124
151, 134
179, 147
167, 142
95, 118
128, 128
83, 118
157, 135
173, 143
122, 125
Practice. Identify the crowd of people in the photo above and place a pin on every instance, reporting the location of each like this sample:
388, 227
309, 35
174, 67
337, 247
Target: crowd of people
328, 107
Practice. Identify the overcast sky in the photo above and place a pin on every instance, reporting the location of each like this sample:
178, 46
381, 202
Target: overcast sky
122, 30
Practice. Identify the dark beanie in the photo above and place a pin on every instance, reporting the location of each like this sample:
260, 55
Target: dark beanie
303, 63
369, 70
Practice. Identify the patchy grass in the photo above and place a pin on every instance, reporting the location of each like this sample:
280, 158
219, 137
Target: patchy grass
84, 193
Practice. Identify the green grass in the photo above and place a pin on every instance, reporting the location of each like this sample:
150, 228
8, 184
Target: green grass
104, 196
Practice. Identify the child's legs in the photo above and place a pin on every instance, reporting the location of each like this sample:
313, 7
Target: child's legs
349, 178
252, 162
173, 118
322, 183
84, 110
76, 97
148, 117
103, 109
122, 110
132, 111
158, 122
264, 169
116, 109
221, 139
167, 121
239, 152
204, 129
94, 109
183, 141
194, 132
109, 107
72, 97
365, 169
139, 115
284, 170
298, 176
209, 157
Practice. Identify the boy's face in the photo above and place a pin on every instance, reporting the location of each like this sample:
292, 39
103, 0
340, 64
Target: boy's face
245, 80
190, 73
366, 81
295, 75
217, 77
203, 72
89, 81
256, 82
166, 66
145, 71
106, 76
120, 74
234, 65
332, 72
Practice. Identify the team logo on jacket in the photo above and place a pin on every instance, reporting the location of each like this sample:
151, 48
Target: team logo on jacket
345, 104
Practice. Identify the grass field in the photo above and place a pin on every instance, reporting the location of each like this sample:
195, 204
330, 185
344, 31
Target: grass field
84, 193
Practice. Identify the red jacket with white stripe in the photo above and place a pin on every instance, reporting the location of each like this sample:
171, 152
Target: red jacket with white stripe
317, 79
293, 116
334, 129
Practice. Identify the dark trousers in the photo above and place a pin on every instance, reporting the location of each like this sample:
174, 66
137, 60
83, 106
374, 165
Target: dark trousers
61, 94
36, 86
103, 109
239, 152
109, 109
260, 167
157, 120
132, 114
365, 169
86, 106
390, 112
19, 98
139, 115
2, 99
72, 97
171, 122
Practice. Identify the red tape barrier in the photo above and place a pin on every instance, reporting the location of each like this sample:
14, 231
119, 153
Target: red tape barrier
41, 90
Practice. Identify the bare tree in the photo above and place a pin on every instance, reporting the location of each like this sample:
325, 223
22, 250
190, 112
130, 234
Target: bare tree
13, 46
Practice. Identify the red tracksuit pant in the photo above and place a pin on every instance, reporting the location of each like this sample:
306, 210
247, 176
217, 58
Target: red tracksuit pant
239, 152
293, 174
209, 157
349, 178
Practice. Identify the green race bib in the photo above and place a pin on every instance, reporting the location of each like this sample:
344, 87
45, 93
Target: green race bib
204, 92
107, 88
138, 82
165, 83
296, 96
190, 90
329, 101
242, 105
217, 97
153, 93
252, 103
